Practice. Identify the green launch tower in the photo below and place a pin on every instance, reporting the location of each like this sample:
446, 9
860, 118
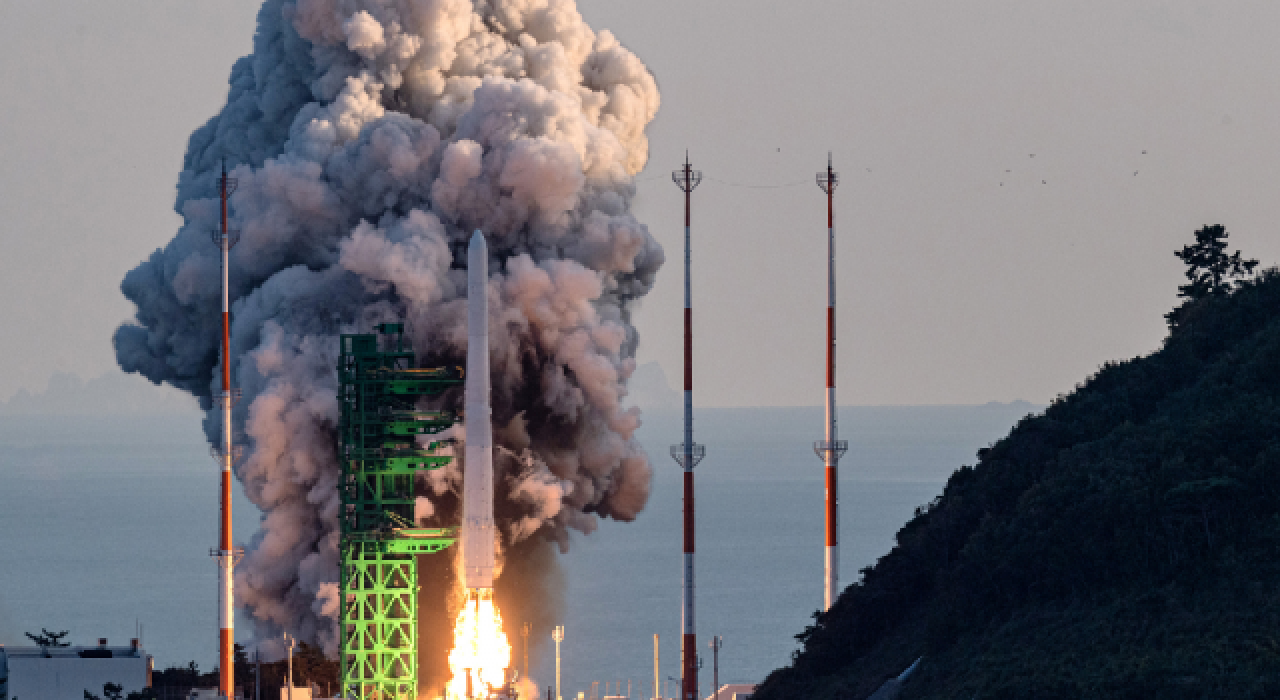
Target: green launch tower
381, 450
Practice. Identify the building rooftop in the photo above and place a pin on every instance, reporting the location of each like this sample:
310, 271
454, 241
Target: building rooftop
730, 690
102, 651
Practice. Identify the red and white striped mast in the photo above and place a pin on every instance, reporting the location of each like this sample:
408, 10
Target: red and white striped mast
831, 449
687, 455
226, 554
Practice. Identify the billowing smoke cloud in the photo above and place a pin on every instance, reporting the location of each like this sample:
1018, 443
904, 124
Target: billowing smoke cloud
368, 138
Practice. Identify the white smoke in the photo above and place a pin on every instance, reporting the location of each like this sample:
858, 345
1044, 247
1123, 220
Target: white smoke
368, 139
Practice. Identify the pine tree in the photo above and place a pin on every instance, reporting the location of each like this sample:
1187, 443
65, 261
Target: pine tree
1210, 270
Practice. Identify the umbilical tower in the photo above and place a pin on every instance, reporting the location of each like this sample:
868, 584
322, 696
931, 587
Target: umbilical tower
385, 439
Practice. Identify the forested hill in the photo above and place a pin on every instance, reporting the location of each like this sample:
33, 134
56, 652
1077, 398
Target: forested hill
1123, 544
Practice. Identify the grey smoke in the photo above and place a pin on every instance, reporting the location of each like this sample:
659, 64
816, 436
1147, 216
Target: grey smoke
368, 138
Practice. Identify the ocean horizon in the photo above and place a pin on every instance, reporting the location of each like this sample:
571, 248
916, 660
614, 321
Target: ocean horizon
108, 520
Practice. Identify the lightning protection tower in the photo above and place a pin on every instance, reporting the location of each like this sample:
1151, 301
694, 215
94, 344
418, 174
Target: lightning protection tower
558, 635
226, 554
687, 455
830, 450
380, 452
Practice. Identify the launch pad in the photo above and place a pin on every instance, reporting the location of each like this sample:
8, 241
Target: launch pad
380, 453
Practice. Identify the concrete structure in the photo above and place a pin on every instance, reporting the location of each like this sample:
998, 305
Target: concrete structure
65, 673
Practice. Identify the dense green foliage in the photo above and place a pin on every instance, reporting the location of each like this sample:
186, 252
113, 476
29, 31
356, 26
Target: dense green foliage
1123, 544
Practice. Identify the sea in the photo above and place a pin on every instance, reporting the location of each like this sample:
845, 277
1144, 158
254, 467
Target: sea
106, 523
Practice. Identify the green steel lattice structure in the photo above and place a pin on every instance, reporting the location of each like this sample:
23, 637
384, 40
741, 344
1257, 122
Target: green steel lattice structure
380, 451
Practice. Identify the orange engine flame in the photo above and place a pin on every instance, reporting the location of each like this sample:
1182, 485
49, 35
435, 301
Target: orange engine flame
480, 648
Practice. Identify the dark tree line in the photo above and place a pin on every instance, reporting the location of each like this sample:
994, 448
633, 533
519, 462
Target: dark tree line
309, 667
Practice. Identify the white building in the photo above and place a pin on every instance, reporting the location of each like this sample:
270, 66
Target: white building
734, 691
64, 673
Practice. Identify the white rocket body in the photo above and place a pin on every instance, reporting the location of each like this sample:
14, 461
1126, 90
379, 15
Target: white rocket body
477, 480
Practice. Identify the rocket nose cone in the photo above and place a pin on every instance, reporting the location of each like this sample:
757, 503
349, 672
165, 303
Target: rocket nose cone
477, 259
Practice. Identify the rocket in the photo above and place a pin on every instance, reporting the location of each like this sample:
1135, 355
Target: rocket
477, 478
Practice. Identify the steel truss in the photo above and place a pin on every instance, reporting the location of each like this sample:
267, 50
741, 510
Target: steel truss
381, 448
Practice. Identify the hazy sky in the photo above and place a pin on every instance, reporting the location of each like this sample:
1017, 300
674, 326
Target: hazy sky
954, 288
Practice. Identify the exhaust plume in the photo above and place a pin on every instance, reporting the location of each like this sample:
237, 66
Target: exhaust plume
369, 138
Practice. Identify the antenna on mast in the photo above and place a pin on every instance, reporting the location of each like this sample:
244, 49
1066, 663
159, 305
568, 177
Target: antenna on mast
226, 553
830, 449
688, 454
